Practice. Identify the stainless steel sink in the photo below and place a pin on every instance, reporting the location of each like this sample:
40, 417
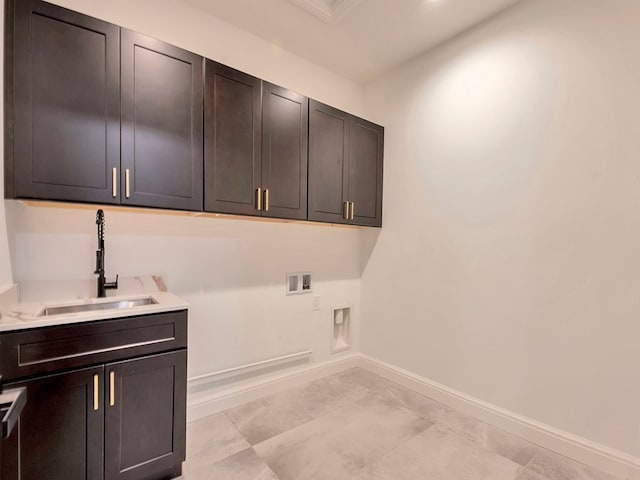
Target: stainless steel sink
92, 307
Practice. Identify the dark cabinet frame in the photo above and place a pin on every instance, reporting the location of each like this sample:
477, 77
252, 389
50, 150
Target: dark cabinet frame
285, 153
83, 426
339, 167
117, 444
130, 194
256, 154
231, 165
118, 172
360, 167
97, 357
328, 165
19, 104
226, 130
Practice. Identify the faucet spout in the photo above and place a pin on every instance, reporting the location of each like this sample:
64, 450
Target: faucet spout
103, 285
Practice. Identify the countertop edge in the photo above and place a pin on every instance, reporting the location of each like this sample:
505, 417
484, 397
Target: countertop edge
26, 318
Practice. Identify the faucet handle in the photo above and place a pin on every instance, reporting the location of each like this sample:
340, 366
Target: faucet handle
111, 285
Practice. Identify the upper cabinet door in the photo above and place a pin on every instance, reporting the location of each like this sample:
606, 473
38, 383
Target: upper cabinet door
162, 128
66, 105
366, 145
285, 128
328, 163
232, 166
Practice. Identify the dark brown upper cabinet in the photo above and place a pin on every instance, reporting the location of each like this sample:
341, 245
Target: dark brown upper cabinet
328, 163
255, 146
345, 167
232, 154
285, 129
366, 149
63, 119
99, 114
162, 124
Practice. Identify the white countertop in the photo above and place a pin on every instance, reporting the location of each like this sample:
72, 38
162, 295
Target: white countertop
19, 315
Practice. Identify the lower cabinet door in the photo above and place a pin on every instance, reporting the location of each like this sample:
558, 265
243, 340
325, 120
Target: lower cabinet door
145, 417
60, 433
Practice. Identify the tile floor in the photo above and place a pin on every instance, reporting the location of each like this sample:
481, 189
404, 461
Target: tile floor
356, 425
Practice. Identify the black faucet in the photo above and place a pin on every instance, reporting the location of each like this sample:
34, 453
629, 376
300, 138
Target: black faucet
103, 285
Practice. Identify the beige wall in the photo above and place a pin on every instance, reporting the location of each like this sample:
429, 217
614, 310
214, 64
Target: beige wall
509, 264
232, 272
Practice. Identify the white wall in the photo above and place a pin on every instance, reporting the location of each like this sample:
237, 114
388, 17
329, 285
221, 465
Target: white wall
6, 277
231, 271
509, 264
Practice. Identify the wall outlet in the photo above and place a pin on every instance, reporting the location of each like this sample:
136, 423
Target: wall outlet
298, 283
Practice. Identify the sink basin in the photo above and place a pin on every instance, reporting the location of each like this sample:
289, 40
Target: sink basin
92, 307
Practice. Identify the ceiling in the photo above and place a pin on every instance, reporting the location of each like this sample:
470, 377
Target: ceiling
357, 39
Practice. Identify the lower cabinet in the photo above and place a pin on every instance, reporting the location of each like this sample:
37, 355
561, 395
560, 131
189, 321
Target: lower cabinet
145, 418
118, 420
61, 432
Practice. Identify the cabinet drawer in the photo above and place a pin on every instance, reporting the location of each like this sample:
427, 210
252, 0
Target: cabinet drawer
34, 352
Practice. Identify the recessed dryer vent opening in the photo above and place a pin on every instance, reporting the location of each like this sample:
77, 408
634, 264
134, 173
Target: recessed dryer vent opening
341, 338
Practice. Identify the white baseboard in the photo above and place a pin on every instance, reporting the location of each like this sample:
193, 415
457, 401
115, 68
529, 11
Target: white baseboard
205, 404
598, 456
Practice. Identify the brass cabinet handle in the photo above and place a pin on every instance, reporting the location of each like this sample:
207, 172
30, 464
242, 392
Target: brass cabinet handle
114, 181
96, 392
112, 389
353, 210
266, 199
345, 213
127, 183
259, 199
